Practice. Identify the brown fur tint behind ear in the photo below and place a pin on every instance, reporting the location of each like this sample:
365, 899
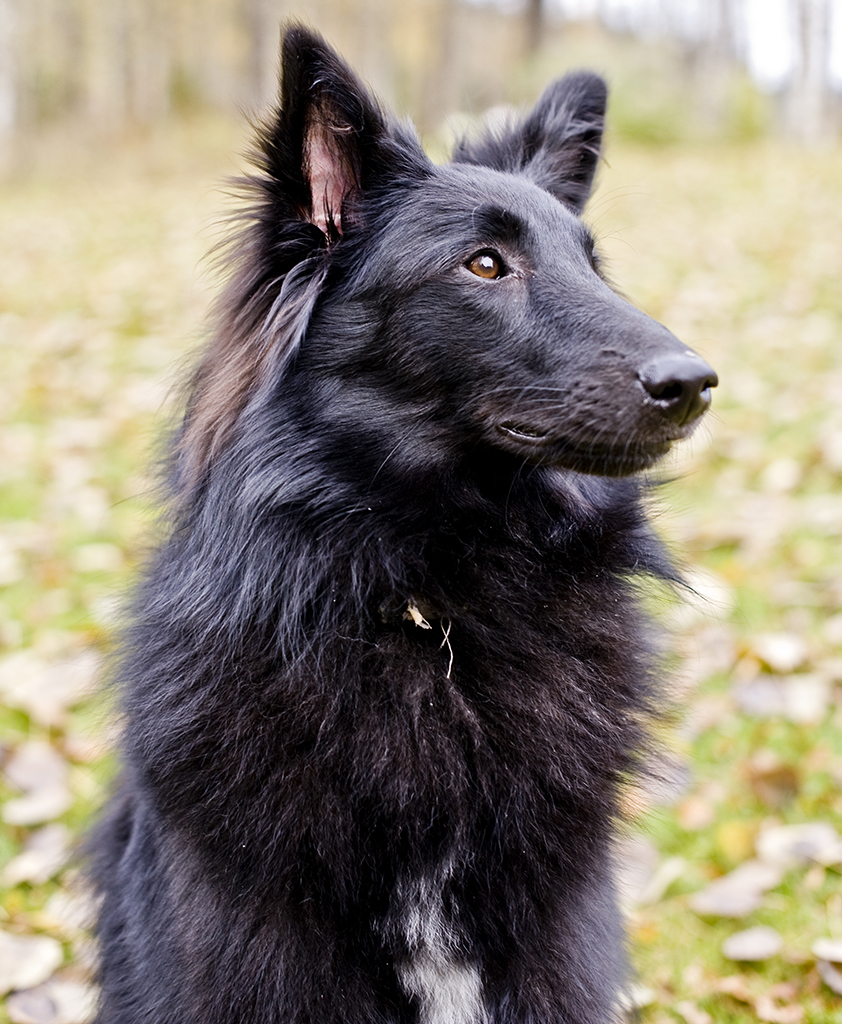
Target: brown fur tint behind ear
245, 359
327, 140
308, 163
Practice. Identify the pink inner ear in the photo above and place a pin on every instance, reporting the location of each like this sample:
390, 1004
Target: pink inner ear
329, 179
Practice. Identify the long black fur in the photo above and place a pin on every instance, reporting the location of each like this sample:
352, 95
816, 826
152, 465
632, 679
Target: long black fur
387, 676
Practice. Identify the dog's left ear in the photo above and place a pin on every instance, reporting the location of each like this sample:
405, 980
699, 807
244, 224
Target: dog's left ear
557, 146
329, 140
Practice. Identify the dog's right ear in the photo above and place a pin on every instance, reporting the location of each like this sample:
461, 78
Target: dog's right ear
329, 140
557, 145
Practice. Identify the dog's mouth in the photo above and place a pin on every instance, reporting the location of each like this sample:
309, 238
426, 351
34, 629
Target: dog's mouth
537, 444
522, 432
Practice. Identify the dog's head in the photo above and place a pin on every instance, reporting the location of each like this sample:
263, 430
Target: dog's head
439, 309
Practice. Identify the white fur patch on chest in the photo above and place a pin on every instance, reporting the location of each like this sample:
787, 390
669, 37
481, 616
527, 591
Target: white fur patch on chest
449, 991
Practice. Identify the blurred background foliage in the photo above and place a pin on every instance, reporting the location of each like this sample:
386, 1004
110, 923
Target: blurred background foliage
719, 209
680, 67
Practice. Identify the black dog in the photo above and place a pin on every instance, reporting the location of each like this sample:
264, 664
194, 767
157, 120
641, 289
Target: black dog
387, 676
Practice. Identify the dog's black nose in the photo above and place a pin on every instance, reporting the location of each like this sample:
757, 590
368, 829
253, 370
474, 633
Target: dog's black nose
679, 383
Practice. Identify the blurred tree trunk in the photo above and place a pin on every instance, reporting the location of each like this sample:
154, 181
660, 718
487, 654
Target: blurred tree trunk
8, 69
534, 15
128, 46
149, 59
263, 21
106, 72
440, 83
713, 60
808, 102
376, 26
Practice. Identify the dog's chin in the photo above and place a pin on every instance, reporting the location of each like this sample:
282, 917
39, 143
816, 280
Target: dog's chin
538, 447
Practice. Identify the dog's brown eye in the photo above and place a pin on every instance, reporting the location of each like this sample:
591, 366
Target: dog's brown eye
486, 264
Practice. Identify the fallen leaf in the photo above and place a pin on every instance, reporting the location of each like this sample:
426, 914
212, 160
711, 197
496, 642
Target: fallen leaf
695, 813
781, 652
790, 845
27, 960
765, 1005
667, 872
34, 765
694, 977
773, 782
69, 911
806, 698
768, 1010
832, 626
11, 566
44, 854
57, 1001
40, 805
781, 475
635, 998
734, 985
726, 901
830, 976
784, 990
47, 690
739, 893
41, 771
754, 944
815, 877
761, 696
828, 949
691, 1013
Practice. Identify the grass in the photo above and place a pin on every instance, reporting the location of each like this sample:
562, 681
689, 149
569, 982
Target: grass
103, 293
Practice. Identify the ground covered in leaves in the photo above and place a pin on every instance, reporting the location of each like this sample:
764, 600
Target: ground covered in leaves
731, 872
